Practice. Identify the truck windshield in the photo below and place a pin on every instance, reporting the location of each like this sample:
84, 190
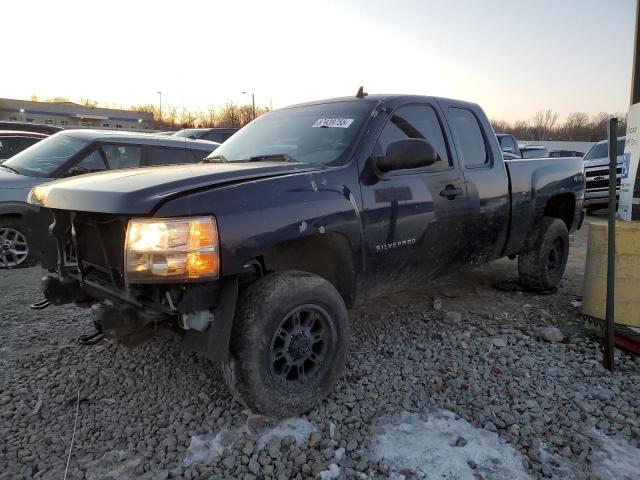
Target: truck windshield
601, 150
322, 134
46, 156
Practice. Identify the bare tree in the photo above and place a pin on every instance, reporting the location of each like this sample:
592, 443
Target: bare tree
87, 102
543, 123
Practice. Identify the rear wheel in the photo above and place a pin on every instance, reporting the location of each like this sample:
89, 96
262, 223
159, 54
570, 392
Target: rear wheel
592, 210
542, 267
289, 343
14, 248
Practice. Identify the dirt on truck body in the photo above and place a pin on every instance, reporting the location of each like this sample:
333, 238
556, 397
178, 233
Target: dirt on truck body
254, 256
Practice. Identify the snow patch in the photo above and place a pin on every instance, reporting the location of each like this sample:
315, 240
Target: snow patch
428, 448
618, 459
299, 428
331, 473
209, 448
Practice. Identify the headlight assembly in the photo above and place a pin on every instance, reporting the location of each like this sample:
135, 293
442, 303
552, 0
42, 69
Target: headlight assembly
38, 195
171, 249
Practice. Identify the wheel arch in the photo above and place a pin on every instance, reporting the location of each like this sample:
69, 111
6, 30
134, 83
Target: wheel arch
327, 255
562, 206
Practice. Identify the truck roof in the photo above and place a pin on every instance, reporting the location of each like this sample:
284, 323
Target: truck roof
380, 98
140, 138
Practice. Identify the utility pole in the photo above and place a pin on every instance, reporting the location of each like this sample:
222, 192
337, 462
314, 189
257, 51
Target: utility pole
635, 72
160, 108
607, 357
253, 104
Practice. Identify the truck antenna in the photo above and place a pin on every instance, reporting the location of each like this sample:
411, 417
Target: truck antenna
361, 93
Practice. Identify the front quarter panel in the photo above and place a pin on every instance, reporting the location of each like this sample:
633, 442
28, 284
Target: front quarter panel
254, 216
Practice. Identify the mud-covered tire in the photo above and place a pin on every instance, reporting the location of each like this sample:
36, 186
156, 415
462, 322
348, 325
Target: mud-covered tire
541, 268
592, 210
265, 343
15, 252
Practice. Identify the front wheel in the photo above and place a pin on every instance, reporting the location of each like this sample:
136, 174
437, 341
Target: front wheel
541, 268
289, 343
14, 248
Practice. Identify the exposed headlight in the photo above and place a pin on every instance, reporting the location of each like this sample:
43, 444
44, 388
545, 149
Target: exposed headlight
170, 249
38, 195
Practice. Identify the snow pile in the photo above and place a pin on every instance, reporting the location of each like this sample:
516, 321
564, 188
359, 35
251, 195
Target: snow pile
299, 428
332, 473
428, 447
618, 459
209, 448
205, 448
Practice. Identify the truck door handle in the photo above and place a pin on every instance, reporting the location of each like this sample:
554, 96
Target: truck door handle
451, 192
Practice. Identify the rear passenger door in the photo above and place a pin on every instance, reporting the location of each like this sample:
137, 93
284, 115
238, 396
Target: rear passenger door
486, 181
414, 218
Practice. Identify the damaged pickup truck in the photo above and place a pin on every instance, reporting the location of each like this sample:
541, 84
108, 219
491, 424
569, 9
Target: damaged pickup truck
253, 257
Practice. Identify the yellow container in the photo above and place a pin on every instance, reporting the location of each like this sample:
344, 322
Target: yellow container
627, 290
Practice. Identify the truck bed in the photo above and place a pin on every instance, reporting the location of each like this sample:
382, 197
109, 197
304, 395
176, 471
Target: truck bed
533, 183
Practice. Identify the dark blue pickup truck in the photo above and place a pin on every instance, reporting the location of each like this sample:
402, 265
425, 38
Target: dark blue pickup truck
253, 257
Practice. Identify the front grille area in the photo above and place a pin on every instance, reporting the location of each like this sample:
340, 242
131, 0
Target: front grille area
600, 184
601, 172
92, 247
101, 249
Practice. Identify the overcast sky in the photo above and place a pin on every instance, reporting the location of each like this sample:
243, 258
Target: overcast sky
512, 56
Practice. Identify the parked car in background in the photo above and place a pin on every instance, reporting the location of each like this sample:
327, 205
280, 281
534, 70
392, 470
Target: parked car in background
66, 154
14, 141
30, 127
596, 168
218, 135
534, 151
253, 257
565, 153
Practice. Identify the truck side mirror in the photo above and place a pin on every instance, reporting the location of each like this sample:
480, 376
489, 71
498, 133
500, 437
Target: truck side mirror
406, 154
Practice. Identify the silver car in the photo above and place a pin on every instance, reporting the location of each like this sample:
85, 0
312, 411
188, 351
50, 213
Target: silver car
596, 168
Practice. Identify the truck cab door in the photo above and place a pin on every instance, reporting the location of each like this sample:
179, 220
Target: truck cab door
413, 218
486, 182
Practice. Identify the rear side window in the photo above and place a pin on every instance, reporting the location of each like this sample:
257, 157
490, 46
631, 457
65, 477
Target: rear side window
416, 121
473, 148
168, 156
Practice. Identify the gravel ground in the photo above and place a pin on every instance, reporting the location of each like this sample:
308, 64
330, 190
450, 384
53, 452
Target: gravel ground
473, 381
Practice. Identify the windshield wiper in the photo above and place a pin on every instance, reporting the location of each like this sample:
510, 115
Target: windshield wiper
276, 157
10, 169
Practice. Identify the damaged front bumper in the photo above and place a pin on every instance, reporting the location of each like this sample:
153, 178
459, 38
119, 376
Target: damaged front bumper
89, 271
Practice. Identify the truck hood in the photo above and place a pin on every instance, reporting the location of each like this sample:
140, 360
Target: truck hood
12, 180
601, 162
139, 191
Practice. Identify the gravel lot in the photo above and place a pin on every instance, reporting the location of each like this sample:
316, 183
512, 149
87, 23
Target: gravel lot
468, 391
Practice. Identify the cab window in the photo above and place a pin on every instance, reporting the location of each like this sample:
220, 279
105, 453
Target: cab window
92, 162
122, 156
111, 157
473, 148
416, 121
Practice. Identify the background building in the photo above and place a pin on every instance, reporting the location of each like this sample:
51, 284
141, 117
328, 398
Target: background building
73, 115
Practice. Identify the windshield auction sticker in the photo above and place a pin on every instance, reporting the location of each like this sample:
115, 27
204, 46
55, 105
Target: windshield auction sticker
333, 123
628, 204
